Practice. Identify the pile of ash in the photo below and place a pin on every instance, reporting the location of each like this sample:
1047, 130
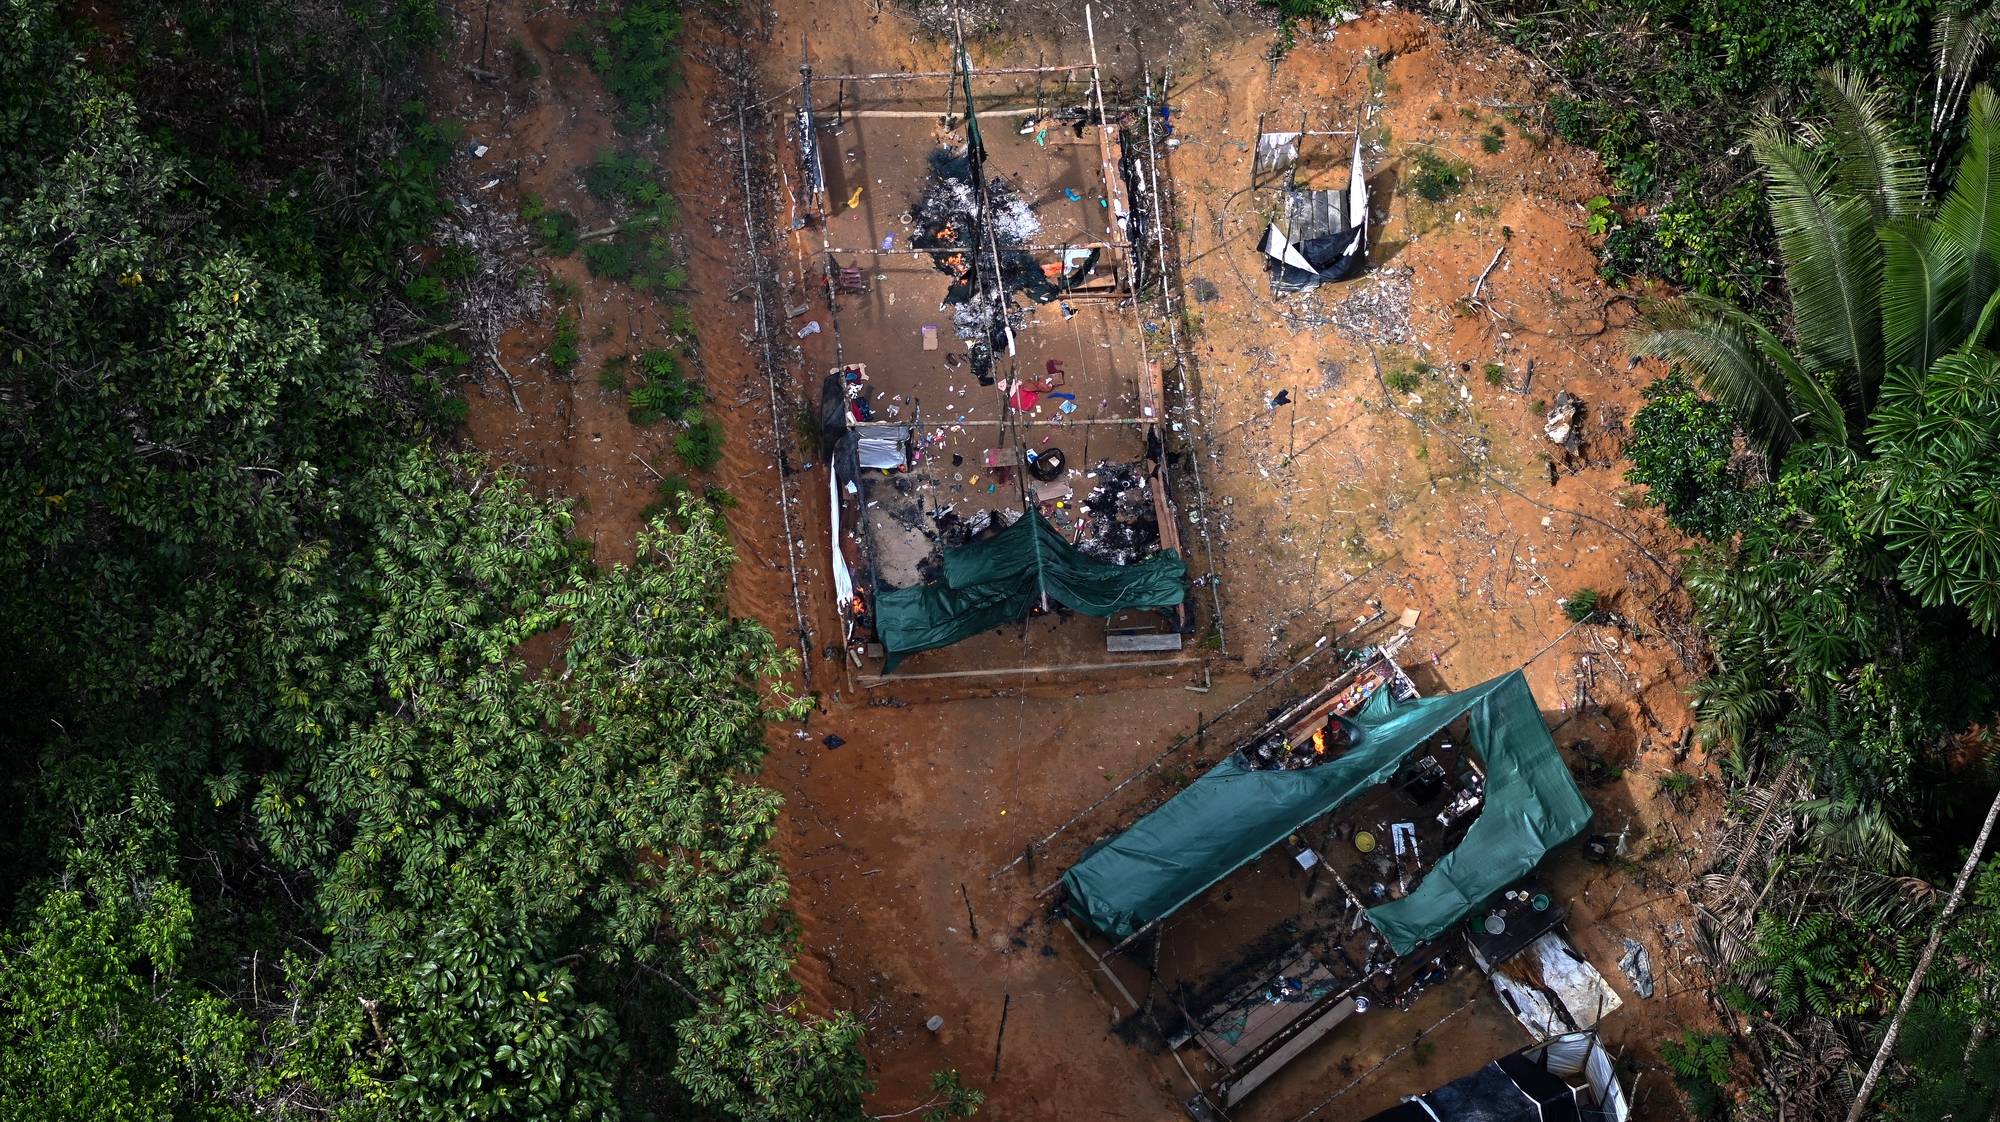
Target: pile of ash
955, 531
945, 219
1116, 519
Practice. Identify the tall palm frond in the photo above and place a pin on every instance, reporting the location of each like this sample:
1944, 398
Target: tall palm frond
1960, 38
1855, 830
1739, 361
1923, 291
1706, 337
1832, 257
1970, 216
1873, 159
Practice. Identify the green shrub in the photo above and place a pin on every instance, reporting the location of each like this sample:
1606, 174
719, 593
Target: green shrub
1683, 451
556, 228
1438, 179
427, 293
1494, 140
1582, 604
700, 447
643, 258
611, 376
563, 342
521, 62
636, 52
619, 177
1496, 374
666, 392
1700, 1065
1324, 11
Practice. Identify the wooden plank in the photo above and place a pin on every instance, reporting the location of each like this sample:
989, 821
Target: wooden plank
1306, 1038
1135, 644
872, 681
1085, 947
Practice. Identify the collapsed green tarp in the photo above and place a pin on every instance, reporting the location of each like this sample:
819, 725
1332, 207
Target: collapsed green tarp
1232, 814
995, 581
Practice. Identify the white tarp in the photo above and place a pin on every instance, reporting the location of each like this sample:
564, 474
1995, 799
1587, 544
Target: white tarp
1582, 1053
843, 580
1280, 247
1553, 989
879, 451
1357, 199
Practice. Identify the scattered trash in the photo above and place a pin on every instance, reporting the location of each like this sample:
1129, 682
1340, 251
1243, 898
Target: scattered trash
1637, 966
479, 151
811, 328
1560, 425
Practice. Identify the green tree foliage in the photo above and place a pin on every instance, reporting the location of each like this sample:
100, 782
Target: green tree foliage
103, 1020
1848, 607
1663, 91
1683, 451
339, 781
1935, 480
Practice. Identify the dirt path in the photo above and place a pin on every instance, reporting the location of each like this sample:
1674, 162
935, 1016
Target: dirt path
1402, 474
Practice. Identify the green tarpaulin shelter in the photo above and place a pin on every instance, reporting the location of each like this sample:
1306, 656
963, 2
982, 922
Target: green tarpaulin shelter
1232, 814
997, 580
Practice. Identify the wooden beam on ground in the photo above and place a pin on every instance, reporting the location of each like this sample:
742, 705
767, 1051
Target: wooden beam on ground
871, 681
905, 75
1084, 945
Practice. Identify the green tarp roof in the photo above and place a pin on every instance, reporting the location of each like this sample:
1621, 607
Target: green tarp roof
996, 581
1234, 813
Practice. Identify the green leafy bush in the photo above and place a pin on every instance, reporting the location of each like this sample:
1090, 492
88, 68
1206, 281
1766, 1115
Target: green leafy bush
1319, 10
643, 258
1438, 179
636, 52
556, 228
700, 447
665, 391
1582, 604
1683, 451
563, 343
1700, 1066
622, 178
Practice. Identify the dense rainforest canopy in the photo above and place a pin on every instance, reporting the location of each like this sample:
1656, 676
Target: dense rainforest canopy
297, 819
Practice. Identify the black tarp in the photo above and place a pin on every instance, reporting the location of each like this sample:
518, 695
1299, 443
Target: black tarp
1511, 1089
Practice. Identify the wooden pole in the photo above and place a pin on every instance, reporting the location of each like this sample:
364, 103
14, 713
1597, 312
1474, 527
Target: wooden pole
1888, 1047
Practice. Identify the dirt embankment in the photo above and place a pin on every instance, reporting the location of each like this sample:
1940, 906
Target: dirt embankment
1410, 469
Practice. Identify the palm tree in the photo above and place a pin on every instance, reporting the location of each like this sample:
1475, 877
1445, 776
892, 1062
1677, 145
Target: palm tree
1879, 277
